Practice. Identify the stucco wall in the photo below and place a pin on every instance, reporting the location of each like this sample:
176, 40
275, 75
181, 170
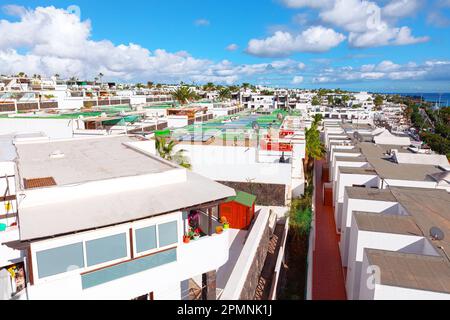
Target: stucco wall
248, 292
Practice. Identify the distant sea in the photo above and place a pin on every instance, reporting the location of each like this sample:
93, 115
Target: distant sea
442, 99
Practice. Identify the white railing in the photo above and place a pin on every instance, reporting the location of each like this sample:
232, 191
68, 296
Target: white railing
236, 282
311, 242
280, 260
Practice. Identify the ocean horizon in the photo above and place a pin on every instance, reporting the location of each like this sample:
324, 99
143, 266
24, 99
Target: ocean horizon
441, 99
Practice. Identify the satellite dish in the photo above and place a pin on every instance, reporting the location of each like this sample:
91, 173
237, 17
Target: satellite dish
437, 234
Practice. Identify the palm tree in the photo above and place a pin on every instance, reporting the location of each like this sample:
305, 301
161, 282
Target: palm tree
166, 151
330, 100
315, 150
317, 120
234, 89
246, 85
224, 94
345, 99
100, 76
184, 95
209, 87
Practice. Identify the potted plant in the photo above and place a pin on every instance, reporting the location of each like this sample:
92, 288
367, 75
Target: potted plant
225, 223
196, 236
219, 229
186, 238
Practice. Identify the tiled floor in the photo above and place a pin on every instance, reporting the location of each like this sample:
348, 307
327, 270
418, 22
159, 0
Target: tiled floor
328, 278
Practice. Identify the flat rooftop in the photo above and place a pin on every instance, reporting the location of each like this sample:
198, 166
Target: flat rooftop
75, 211
411, 271
351, 159
360, 171
388, 169
84, 160
353, 150
370, 194
429, 208
386, 223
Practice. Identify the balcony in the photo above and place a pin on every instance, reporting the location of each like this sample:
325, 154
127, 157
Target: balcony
139, 276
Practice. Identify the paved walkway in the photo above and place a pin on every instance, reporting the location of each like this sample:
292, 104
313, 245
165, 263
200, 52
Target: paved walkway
328, 277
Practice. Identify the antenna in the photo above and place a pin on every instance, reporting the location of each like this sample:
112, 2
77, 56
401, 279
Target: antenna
437, 234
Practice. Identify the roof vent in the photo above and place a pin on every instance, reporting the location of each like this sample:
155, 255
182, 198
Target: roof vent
58, 154
437, 234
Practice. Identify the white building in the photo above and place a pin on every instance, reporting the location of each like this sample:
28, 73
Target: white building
98, 218
394, 254
386, 198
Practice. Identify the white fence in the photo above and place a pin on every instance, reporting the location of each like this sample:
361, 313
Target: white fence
280, 260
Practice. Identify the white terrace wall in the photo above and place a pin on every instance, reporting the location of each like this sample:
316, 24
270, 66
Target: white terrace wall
351, 205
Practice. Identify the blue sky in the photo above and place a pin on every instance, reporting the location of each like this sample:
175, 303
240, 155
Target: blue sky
384, 45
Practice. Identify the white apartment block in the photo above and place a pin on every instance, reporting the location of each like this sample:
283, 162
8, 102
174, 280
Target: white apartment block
99, 218
386, 198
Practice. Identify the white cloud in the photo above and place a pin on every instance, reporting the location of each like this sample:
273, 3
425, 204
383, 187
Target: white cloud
384, 36
372, 75
387, 70
48, 40
14, 10
401, 8
297, 80
232, 47
307, 3
301, 19
368, 24
387, 66
202, 22
313, 39
323, 79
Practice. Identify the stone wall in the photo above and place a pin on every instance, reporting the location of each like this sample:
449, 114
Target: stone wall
252, 281
266, 194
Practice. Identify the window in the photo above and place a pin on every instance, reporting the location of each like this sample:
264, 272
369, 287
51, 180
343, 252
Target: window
59, 260
146, 239
128, 268
106, 249
167, 234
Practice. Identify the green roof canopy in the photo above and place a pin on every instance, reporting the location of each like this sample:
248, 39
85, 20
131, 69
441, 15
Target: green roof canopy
243, 198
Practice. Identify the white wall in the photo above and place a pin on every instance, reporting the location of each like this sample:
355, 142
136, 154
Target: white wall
383, 292
71, 103
195, 258
177, 121
134, 100
235, 164
9, 256
348, 180
236, 282
360, 240
53, 128
351, 205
